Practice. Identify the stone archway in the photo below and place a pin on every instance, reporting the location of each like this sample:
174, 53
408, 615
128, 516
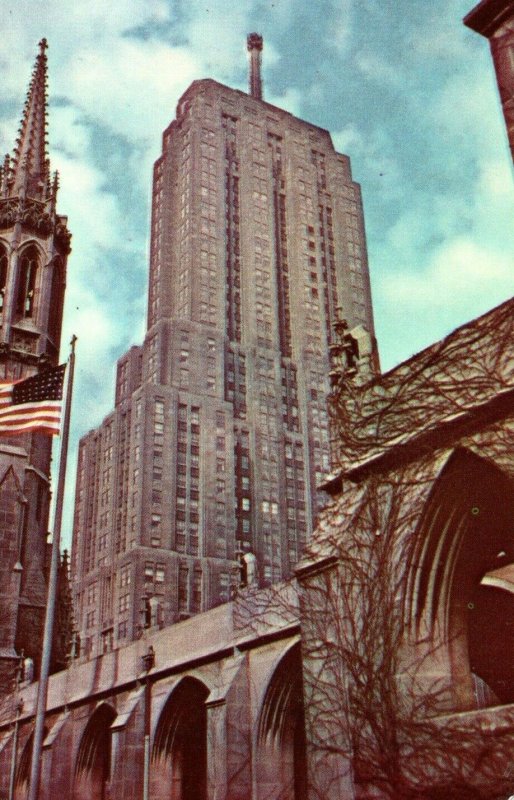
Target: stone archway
462, 584
92, 769
179, 753
280, 747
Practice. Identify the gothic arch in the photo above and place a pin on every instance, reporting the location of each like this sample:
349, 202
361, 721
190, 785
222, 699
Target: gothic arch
29, 263
280, 760
10, 476
12, 502
22, 777
179, 753
57, 286
4, 271
461, 584
93, 763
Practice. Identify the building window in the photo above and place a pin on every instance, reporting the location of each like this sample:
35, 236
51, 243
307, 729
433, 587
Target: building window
107, 641
123, 603
27, 283
125, 575
3, 276
197, 589
56, 297
183, 588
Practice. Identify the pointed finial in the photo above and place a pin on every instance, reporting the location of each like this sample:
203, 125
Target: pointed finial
6, 169
30, 168
53, 191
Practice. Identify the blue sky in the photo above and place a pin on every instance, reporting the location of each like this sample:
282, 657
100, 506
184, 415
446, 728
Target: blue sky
405, 89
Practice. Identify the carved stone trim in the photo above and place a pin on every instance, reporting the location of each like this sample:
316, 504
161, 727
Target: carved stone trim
9, 352
32, 214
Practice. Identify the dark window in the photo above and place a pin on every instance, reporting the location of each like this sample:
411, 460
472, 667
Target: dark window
27, 283
3, 276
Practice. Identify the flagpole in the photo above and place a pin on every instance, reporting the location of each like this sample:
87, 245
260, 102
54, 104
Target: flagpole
35, 767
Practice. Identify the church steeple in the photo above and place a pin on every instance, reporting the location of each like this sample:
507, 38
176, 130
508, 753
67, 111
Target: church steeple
34, 247
34, 238
28, 172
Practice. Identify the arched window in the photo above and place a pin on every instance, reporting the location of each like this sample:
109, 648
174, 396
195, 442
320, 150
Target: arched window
179, 755
27, 282
56, 301
280, 758
462, 592
4, 262
93, 766
21, 781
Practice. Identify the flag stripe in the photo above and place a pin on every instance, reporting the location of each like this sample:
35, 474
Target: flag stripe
29, 408
32, 404
16, 422
36, 425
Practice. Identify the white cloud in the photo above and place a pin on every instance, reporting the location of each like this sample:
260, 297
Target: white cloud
458, 272
149, 78
377, 69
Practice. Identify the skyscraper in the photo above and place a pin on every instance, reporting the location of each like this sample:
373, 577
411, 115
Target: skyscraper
219, 434
34, 245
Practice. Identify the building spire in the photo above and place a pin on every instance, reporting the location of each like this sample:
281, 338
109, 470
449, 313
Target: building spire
30, 167
254, 47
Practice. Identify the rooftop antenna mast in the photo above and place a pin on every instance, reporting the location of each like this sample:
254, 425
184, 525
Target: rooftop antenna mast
254, 46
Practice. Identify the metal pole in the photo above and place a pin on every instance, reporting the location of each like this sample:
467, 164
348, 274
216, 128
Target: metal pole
12, 776
146, 763
148, 662
146, 775
35, 767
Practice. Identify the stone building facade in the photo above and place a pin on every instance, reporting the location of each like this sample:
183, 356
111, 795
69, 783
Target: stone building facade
384, 670
34, 246
219, 435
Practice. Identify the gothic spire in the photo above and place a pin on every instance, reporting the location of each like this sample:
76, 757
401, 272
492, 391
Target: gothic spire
30, 167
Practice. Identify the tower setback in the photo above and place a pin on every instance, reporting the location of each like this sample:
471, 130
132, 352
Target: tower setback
219, 435
34, 245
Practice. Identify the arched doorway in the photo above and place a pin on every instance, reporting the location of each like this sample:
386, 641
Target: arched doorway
179, 754
22, 777
280, 748
463, 591
93, 765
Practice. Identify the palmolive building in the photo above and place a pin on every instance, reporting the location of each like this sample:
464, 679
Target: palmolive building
219, 435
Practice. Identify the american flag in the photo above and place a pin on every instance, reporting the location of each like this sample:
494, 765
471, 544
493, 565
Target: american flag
33, 404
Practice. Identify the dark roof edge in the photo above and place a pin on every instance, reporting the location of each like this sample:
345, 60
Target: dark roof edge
489, 15
395, 455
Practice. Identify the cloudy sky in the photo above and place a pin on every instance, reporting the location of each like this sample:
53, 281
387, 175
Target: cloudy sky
405, 89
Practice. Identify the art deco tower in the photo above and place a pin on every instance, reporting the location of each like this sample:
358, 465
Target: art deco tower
220, 434
34, 245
